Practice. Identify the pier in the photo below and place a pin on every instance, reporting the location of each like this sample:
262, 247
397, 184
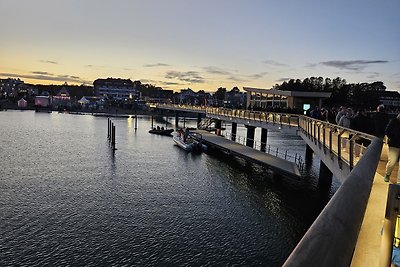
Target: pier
353, 229
277, 164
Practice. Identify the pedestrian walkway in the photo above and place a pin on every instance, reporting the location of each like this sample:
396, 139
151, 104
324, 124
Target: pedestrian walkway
277, 164
368, 248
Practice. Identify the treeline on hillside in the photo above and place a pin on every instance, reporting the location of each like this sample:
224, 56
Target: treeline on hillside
355, 95
75, 91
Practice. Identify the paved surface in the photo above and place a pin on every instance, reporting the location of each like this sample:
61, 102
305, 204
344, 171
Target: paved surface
277, 164
368, 248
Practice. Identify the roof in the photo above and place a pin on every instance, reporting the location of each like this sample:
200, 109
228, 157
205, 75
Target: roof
289, 93
114, 82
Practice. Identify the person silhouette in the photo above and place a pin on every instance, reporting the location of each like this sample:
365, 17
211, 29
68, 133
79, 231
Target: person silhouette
393, 133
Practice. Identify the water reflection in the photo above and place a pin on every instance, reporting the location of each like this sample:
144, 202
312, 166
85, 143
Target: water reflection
66, 199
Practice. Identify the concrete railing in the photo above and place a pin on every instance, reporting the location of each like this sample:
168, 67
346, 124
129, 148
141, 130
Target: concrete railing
331, 239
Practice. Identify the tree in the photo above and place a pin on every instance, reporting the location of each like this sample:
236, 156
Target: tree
220, 94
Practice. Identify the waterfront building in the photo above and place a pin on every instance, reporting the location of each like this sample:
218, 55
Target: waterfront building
234, 98
62, 98
258, 98
151, 94
115, 88
42, 101
187, 96
92, 102
391, 99
22, 103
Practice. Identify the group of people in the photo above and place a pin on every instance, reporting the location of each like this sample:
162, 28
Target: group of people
358, 120
378, 125
183, 134
158, 128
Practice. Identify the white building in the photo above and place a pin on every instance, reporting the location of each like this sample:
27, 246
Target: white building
115, 88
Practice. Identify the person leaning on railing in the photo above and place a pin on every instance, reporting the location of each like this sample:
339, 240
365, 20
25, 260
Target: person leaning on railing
393, 133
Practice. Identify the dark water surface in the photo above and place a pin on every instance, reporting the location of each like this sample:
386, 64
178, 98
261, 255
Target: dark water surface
65, 200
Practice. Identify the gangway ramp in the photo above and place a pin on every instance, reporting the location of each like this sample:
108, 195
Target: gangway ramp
276, 164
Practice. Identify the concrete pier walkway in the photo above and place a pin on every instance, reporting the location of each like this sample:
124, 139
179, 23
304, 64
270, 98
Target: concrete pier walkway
368, 251
278, 165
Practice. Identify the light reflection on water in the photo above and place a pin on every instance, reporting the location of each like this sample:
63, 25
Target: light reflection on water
65, 199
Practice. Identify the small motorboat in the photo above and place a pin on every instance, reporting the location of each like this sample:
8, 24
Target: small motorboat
181, 143
186, 141
161, 131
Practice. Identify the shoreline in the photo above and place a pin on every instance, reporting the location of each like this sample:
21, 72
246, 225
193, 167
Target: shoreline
116, 113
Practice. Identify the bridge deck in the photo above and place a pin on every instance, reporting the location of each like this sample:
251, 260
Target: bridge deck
368, 249
277, 164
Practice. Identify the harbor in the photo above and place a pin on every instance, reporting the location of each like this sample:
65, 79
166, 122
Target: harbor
147, 203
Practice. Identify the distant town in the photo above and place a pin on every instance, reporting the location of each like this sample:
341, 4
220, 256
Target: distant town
108, 93
133, 96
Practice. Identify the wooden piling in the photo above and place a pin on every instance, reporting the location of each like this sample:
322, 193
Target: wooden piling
108, 129
136, 124
113, 137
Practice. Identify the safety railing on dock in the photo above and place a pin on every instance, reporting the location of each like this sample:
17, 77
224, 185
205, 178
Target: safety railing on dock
271, 150
346, 144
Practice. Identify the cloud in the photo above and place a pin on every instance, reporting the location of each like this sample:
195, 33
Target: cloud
373, 75
216, 70
274, 63
188, 76
237, 79
171, 83
156, 65
311, 65
45, 76
49, 62
258, 75
351, 64
42, 73
154, 82
283, 79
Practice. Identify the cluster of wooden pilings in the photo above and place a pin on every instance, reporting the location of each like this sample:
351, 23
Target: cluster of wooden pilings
111, 134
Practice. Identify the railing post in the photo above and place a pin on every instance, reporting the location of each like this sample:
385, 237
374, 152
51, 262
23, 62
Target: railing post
351, 155
339, 145
330, 141
324, 138
314, 132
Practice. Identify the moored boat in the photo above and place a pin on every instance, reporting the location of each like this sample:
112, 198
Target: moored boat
181, 143
186, 141
161, 131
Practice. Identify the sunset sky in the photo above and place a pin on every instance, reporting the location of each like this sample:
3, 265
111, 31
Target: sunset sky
205, 44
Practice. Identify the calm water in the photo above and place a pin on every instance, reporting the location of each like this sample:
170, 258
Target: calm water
65, 200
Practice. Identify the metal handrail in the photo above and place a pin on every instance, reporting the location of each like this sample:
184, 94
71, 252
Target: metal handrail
339, 141
271, 150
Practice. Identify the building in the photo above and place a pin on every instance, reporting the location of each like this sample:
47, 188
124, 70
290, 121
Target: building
115, 88
187, 96
235, 99
391, 99
62, 98
43, 101
265, 99
22, 103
